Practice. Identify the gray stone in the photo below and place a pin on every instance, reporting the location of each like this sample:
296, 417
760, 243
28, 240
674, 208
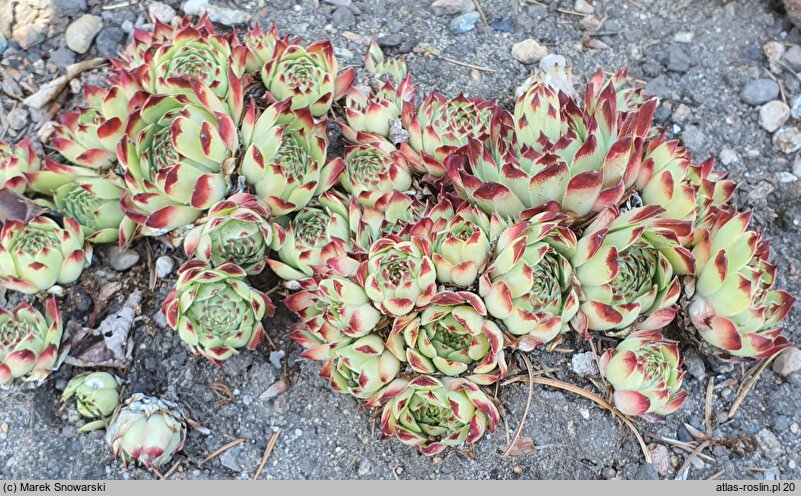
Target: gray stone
18, 118
451, 7
678, 60
683, 37
584, 7
647, 471
584, 364
108, 40
222, 15
773, 115
529, 51
338, 3
788, 362
694, 364
694, 138
786, 177
502, 24
229, 458
661, 458
464, 23
70, 8
728, 156
161, 12
769, 444
82, 31
657, 87
795, 107
164, 265
759, 91
275, 358
343, 18
788, 139
121, 259
62, 57
792, 57
797, 166
3, 43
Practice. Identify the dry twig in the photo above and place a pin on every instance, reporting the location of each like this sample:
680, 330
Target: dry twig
746, 387
528, 404
267, 450
682, 472
222, 450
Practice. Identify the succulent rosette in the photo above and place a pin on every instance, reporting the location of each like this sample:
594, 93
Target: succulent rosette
374, 112
583, 159
148, 430
452, 337
313, 236
237, 230
36, 255
628, 98
373, 169
178, 154
375, 62
88, 136
15, 162
433, 414
530, 284
261, 46
646, 373
442, 125
307, 75
215, 311
628, 266
360, 367
733, 304
398, 275
29, 342
96, 397
461, 249
285, 164
89, 197
393, 213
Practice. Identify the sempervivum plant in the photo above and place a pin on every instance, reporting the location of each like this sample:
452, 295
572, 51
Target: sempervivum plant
360, 367
645, 373
530, 285
261, 46
29, 342
88, 136
375, 62
733, 304
442, 125
285, 164
373, 169
96, 397
433, 414
148, 430
627, 265
453, 337
374, 112
461, 248
15, 162
36, 255
307, 75
313, 236
237, 230
177, 153
89, 197
215, 311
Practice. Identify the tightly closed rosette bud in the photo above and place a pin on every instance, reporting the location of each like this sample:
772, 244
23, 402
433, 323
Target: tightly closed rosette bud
37, 255
360, 367
215, 311
178, 155
398, 275
375, 62
530, 285
148, 430
392, 214
645, 372
15, 162
628, 98
313, 236
237, 230
461, 248
89, 197
442, 125
88, 136
373, 169
96, 397
627, 265
261, 46
308, 76
286, 163
451, 337
433, 414
29, 342
334, 309
375, 112
733, 304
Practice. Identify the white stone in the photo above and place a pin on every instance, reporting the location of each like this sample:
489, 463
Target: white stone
529, 51
773, 115
82, 31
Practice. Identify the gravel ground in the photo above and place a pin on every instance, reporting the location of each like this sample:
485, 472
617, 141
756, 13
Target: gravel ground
699, 56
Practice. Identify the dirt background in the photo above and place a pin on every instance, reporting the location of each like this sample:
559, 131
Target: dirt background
696, 55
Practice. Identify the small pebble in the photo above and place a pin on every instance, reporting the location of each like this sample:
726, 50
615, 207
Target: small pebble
82, 31
728, 156
164, 265
661, 458
451, 7
108, 40
683, 37
62, 57
584, 364
338, 3
584, 7
786, 177
3, 43
788, 362
773, 115
503, 25
769, 444
792, 57
678, 60
464, 23
275, 358
121, 259
682, 113
759, 91
18, 118
797, 167
529, 51
161, 12
788, 139
298, 432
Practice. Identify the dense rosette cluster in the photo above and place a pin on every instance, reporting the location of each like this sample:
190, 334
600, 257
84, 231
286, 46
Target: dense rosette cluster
148, 430
375, 112
733, 304
36, 255
645, 372
261, 46
215, 311
16, 161
29, 342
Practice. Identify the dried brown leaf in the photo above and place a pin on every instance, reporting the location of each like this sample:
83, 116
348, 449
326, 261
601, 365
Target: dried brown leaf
276, 389
595, 43
522, 446
16, 207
